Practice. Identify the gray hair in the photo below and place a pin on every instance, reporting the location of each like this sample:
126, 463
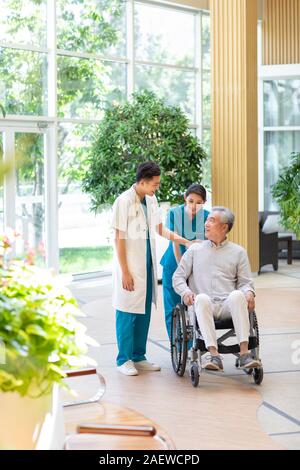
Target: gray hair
227, 217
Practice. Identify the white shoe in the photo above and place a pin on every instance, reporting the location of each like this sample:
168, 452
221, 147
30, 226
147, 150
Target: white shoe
145, 365
128, 368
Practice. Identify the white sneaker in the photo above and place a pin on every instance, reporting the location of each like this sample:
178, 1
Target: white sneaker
128, 368
145, 365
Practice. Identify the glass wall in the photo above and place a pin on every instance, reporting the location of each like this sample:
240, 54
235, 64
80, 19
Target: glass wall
166, 37
282, 102
206, 98
61, 75
281, 130
30, 194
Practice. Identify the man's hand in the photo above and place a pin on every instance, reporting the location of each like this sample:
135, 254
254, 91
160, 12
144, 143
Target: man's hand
127, 281
189, 298
251, 300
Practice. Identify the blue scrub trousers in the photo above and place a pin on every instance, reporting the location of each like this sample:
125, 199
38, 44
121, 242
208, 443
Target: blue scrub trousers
170, 298
132, 328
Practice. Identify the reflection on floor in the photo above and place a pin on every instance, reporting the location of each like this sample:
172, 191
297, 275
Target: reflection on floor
226, 410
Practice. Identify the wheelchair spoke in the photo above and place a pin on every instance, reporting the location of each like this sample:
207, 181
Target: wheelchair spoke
179, 340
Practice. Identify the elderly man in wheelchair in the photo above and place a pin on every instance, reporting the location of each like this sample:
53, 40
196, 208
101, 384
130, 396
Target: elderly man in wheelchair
214, 277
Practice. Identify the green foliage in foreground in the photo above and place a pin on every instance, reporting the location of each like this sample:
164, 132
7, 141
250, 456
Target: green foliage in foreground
39, 332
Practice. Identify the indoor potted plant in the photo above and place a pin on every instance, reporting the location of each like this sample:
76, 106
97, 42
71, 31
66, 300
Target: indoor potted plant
144, 128
286, 192
40, 338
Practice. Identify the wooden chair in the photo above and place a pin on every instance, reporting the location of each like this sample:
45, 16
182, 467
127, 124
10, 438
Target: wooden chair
92, 424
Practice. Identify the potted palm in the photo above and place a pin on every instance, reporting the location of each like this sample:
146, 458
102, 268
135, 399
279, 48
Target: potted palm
40, 337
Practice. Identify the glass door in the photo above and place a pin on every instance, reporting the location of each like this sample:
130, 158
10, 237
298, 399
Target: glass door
22, 205
42, 200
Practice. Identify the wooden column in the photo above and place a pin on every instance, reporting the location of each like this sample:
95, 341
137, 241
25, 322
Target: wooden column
281, 32
234, 117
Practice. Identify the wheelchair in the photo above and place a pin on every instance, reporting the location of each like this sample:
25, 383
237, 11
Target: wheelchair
183, 333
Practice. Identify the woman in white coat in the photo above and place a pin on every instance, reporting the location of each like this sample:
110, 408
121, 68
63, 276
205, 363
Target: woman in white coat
136, 218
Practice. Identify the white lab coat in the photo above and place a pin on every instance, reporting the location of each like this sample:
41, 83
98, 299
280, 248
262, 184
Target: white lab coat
129, 217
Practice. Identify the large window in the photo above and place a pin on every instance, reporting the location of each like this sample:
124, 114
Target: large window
281, 132
30, 192
205, 135
282, 102
58, 77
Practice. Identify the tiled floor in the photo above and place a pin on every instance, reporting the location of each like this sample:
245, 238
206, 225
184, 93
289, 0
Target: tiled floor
226, 410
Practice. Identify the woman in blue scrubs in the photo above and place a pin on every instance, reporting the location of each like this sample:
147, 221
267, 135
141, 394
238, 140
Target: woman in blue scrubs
188, 221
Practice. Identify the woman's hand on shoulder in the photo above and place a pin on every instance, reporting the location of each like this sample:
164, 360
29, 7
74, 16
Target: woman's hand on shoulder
192, 242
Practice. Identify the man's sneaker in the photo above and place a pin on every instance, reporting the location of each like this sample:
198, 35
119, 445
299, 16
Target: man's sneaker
246, 361
213, 363
128, 368
145, 365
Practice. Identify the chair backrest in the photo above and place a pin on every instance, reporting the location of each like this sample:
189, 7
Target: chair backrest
262, 217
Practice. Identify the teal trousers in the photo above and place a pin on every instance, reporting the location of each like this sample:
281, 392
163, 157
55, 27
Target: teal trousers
132, 328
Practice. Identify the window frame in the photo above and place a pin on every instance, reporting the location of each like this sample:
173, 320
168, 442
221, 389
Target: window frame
267, 73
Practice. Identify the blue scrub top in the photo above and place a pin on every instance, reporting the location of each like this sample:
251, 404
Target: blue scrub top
178, 221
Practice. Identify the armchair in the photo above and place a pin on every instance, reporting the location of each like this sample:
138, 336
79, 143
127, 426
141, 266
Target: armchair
268, 245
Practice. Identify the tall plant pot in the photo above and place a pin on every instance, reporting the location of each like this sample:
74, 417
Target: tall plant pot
31, 423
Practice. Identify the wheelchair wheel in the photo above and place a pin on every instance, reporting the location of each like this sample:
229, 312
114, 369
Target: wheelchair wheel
255, 352
258, 375
195, 374
179, 340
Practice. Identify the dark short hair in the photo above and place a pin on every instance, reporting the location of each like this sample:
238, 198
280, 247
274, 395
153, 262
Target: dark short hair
196, 188
147, 170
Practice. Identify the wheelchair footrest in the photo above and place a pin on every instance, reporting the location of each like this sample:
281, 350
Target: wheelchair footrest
230, 349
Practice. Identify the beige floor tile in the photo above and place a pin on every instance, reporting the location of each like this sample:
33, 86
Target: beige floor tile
289, 441
275, 423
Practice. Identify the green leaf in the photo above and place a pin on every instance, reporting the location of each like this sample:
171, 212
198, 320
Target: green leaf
57, 370
36, 330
